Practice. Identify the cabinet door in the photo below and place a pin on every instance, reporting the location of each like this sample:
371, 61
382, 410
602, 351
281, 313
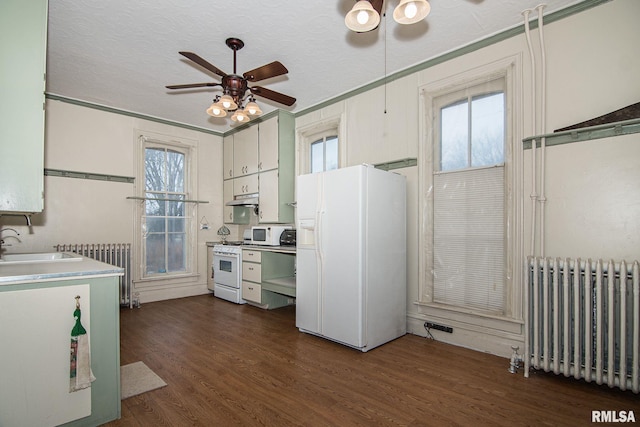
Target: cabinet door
269, 199
245, 185
252, 272
35, 385
268, 145
252, 292
227, 187
227, 146
23, 35
245, 151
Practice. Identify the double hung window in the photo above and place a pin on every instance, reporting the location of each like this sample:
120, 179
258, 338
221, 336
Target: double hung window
468, 185
166, 217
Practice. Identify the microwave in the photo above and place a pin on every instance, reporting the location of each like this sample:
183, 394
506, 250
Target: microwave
268, 235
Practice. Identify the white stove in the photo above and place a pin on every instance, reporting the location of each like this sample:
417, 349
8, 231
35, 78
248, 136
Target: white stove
227, 272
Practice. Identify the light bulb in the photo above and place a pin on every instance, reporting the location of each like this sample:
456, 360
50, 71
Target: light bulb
251, 110
240, 117
216, 111
411, 10
226, 104
362, 17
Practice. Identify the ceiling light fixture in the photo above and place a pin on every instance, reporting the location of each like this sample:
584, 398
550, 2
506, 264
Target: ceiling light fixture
235, 86
365, 14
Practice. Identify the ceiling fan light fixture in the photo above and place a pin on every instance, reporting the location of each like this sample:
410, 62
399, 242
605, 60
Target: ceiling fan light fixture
411, 11
252, 109
362, 17
216, 110
240, 116
228, 103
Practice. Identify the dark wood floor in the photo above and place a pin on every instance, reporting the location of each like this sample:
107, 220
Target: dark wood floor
239, 365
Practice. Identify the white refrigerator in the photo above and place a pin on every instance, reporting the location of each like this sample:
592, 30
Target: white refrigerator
351, 275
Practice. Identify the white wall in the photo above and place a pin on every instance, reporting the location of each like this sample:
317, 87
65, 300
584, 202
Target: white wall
592, 70
90, 211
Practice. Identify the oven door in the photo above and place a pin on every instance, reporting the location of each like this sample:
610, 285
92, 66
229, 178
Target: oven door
226, 269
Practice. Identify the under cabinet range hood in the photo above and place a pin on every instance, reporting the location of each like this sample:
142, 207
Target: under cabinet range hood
248, 200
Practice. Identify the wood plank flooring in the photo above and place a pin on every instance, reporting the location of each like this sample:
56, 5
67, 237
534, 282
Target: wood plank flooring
232, 365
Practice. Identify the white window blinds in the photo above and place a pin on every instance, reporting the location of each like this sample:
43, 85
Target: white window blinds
469, 238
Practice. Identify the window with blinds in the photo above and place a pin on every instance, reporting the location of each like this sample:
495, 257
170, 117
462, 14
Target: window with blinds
469, 198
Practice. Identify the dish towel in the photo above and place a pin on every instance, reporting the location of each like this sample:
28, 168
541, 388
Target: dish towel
80, 375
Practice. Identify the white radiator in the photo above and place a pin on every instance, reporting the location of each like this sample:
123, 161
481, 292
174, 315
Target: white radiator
118, 254
583, 320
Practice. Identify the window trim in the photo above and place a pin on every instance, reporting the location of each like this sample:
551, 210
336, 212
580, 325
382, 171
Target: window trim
189, 148
508, 68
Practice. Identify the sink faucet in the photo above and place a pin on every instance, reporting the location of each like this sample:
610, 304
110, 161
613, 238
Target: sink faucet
2, 241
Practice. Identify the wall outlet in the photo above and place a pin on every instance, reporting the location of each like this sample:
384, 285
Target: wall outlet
430, 325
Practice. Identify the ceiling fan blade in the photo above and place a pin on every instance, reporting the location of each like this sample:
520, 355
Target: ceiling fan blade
203, 63
273, 95
190, 85
266, 71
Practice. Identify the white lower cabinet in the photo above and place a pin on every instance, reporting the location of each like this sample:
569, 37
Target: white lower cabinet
252, 292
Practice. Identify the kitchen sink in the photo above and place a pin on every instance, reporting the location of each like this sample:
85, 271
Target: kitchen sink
39, 257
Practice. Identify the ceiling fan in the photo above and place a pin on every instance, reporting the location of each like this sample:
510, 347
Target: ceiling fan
234, 86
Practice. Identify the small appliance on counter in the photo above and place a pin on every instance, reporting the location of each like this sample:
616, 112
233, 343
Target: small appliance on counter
288, 238
267, 235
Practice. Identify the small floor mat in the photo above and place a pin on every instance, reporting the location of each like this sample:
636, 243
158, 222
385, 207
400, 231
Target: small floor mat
136, 378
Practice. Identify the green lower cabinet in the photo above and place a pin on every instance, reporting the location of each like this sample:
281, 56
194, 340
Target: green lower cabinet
268, 279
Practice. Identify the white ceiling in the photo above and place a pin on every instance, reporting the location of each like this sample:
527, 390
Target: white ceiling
122, 53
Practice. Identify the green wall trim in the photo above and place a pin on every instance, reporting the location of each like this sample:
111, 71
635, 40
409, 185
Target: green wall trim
507, 34
397, 164
608, 130
113, 110
88, 175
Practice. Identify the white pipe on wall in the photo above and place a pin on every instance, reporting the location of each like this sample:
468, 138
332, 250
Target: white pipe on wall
543, 125
534, 195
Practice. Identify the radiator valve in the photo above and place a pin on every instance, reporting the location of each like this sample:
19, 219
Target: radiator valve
514, 363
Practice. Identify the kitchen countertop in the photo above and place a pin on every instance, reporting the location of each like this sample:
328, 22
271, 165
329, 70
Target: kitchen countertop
287, 249
30, 272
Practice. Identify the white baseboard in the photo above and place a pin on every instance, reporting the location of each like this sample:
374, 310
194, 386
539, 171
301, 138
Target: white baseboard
146, 295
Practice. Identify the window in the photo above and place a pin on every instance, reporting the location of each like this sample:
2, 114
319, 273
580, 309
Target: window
468, 182
472, 132
320, 146
165, 221
324, 154
166, 213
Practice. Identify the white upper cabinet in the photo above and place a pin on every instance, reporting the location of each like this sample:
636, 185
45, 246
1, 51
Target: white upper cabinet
276, 180
269, 197
260, 159
227, 149
268, 153
245, 151
23, 36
